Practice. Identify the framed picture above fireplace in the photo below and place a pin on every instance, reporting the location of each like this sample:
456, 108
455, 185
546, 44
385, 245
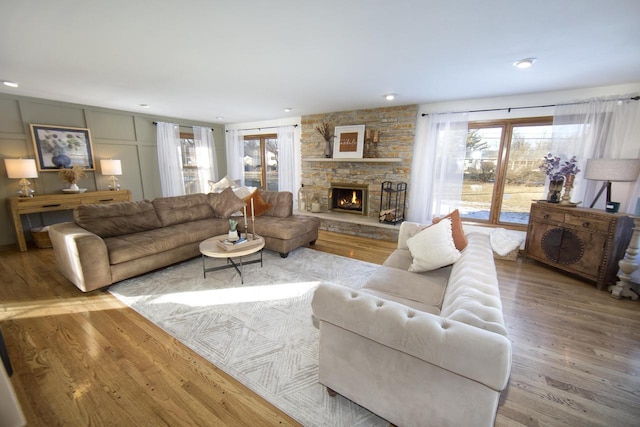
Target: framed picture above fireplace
348, 142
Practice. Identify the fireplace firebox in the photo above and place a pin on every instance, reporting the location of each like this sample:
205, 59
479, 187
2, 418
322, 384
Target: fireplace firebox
349, 198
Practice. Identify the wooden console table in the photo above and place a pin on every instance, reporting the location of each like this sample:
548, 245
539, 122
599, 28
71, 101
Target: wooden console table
57, 202
582, 241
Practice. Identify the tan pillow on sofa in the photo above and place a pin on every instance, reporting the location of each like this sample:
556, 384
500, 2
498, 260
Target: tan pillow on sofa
225, 203
116, 219
433, 247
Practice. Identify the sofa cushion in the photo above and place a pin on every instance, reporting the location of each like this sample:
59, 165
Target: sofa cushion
456, 229
424, 288
180, 209
259, 205
282, 202
400, 259
117, 218
288, 229
136, 246
433, 247
225, 203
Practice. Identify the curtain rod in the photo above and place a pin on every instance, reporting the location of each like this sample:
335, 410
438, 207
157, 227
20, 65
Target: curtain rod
183, 126
265, 127
508, 109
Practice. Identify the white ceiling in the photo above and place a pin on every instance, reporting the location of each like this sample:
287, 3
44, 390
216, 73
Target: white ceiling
248, 60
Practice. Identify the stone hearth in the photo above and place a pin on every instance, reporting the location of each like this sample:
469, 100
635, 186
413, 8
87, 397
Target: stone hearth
356, 225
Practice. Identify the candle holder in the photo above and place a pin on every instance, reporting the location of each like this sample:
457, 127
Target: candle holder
568, 185
628, 265
253, 227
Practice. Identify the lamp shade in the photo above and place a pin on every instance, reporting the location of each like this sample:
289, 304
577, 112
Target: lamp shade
111, 167
21, 168
615, 170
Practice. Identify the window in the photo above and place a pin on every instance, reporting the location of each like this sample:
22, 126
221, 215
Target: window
501, 175
261, 161
189, 164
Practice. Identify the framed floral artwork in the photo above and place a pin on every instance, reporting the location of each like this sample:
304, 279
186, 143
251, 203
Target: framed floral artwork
348, 142
59, 147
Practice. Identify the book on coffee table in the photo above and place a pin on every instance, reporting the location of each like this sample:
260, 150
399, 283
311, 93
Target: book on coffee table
240, 244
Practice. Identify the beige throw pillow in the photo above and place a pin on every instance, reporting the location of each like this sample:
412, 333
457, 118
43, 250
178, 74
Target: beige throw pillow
433, 247
225, 203
217, 187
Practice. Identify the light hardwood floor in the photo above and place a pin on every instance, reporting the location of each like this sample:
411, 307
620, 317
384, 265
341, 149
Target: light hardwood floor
86, 359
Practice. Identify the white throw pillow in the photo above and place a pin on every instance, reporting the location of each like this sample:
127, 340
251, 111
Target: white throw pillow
217, 187
433, 247
243, 192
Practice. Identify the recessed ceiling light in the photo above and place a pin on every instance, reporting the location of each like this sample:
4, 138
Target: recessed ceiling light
287, 110
10, 84
390, 96
219, 118
145, 105
524, 63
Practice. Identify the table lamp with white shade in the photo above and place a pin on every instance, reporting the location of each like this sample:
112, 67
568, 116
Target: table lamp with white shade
111, 167
608, 171
22, 169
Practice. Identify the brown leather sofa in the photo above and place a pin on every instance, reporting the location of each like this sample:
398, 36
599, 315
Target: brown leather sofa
109, 243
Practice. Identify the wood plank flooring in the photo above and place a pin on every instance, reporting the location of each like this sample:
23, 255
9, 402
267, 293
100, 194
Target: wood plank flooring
86, 359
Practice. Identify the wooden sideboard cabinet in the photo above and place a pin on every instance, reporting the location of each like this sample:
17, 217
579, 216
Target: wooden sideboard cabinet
57, 202
582, 241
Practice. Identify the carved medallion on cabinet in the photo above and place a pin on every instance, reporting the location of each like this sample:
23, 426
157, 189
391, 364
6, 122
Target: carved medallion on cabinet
562, 246
585, 242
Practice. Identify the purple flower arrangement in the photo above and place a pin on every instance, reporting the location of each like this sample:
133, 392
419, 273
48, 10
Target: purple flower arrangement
557, 170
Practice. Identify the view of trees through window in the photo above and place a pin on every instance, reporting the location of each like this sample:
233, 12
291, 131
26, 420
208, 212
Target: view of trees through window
501, 174
261, 161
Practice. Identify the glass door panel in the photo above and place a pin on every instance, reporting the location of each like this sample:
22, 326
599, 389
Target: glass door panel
524, 181
481, 163
252, 163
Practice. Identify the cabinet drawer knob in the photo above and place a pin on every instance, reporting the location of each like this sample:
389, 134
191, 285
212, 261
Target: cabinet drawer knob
546, 216
585, 224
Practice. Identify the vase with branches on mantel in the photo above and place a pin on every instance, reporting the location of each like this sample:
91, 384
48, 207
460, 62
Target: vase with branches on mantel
324, 129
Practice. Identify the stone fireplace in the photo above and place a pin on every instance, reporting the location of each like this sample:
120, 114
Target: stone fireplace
387, 160
349, 198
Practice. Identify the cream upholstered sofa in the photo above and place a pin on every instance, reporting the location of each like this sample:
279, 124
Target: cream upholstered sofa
418, 349
109, 243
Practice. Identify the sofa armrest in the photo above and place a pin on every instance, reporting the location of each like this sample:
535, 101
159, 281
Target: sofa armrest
468, 351
82, 256
408, 229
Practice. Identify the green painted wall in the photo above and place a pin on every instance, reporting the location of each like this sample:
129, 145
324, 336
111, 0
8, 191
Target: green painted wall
130, 137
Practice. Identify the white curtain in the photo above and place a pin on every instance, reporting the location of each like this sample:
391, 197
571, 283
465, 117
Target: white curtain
599, 128
288, 172
437, 169
169, 159
235, 155
205, 158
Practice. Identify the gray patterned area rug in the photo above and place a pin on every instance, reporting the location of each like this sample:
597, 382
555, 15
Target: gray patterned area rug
261, 332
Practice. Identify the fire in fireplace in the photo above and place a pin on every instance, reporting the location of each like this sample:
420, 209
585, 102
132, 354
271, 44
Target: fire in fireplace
349, 198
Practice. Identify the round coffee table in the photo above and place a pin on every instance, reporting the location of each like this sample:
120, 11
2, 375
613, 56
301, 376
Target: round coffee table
214, 248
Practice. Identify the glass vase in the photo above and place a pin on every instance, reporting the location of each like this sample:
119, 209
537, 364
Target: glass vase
555, 188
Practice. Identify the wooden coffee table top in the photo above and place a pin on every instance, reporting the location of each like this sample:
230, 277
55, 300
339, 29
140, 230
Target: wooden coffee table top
211, 248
